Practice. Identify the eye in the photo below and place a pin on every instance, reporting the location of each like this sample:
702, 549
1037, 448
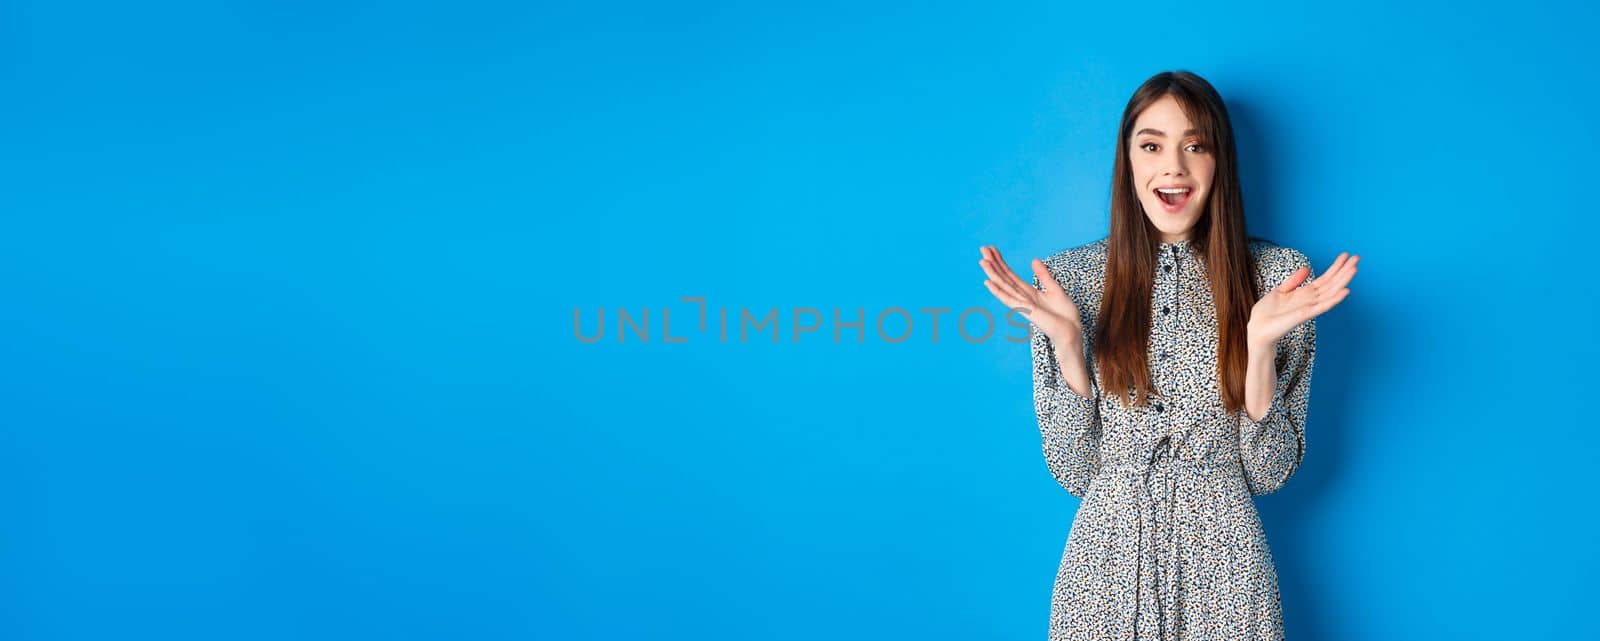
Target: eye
1148, 144
1201, 148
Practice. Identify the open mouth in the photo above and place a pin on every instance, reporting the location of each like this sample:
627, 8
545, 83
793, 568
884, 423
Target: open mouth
1174, 198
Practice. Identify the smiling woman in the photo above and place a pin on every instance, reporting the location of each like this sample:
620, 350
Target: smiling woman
1172, 371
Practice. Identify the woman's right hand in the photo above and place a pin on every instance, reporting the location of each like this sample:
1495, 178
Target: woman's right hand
1049, 308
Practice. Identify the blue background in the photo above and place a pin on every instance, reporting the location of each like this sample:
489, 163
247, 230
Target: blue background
289, 297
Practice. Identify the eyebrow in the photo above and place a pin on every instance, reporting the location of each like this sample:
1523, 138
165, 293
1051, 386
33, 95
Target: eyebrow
1158, 132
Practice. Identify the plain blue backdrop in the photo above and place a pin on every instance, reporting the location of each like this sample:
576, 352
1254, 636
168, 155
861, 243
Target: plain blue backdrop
290, 287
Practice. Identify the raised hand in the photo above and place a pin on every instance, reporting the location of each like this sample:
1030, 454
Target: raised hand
1288, 305
1049, 309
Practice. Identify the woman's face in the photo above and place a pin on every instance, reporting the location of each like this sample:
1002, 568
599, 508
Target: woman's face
1167, 155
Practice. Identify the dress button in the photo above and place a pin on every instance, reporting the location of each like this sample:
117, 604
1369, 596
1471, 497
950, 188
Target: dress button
1159, 408
1167, 267
1163, 354
1165, 309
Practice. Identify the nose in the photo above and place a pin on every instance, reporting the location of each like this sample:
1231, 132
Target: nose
1174, 165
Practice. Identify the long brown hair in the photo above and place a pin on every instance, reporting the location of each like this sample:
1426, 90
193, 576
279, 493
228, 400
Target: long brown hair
1122, 331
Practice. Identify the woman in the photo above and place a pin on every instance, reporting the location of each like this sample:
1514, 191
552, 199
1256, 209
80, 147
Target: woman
1172, 371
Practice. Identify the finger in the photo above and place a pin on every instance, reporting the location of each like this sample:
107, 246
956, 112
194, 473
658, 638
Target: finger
1042, 274
1331, 271
1003, 273
1317, 281
1008, 269
1022, 287
1334, 268
989, 253
1338, 275
1315, 308
1323, 306
1006, 282
1293, 281
1345, 273
990, 269
994, 253
1328, 288
1005, 297
1047, 280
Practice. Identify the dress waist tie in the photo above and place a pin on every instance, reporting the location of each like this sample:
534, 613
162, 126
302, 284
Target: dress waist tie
1156, 570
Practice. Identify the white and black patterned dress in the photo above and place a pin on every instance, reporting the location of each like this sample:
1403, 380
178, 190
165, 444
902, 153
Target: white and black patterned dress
1167, 543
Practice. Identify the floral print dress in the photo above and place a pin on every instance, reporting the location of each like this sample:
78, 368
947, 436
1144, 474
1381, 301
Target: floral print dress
1167, 544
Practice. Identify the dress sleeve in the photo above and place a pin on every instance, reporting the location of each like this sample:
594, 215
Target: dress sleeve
1069, 424
1272, 448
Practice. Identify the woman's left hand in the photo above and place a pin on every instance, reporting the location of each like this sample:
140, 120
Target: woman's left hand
1288, 305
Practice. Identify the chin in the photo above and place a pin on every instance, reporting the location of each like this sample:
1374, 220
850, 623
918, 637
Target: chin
1173, 223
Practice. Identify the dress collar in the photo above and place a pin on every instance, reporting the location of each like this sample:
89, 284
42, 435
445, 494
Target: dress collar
1183, 246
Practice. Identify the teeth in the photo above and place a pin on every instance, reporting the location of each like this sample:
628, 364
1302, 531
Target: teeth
1179, 190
